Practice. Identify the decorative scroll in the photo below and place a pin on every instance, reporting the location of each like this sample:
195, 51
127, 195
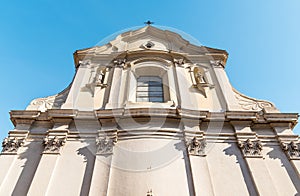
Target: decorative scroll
104, 146
248, 103
51, 102
11, 145
53, 145
196, 146
291, 149
251, 148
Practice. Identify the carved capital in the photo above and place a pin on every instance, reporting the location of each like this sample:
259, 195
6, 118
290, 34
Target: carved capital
196, 146
85, 63
179, 62
217, 63
53, 145
150, 193
104, 145
11, 145
291, 149
251, 148
120, 63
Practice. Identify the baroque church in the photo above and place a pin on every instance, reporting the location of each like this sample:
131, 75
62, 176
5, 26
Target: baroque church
150, 113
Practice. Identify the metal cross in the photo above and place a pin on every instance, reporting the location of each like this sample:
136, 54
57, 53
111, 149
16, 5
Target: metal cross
148, 22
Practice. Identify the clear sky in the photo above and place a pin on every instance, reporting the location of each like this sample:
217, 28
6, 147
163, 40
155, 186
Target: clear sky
38, 38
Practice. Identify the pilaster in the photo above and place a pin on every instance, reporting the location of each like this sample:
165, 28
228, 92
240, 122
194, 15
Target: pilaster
11, 149
115, 87
53, 143
251, 148
225, 86
289, 143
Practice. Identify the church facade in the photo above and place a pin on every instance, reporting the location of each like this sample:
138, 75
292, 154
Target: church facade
149, 113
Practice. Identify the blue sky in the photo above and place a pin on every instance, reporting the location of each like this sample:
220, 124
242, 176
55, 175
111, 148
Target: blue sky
38, 38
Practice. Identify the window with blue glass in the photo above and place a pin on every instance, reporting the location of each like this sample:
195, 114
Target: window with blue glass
149, 89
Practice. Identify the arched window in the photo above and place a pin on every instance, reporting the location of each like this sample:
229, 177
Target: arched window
148, 84
149, 89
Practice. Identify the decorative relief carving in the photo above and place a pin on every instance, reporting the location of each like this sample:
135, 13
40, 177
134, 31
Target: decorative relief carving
53, 145
196, 146
11, 145
291, 149
248, 103
251, 148
104, 145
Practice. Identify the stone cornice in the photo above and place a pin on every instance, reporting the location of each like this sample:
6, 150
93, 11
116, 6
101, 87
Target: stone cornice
238, 115
278, 119
23, 116
282, 118
62, 113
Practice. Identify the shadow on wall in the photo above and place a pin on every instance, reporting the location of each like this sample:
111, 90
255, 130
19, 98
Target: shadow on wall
89, 158
276, 153
33, 156
232, 151
180, 146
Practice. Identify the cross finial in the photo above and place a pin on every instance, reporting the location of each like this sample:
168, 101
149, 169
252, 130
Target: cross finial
148, 22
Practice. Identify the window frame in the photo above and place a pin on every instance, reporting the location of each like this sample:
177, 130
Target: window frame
149, 89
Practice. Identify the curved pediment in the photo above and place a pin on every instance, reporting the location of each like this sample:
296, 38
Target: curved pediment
148, 38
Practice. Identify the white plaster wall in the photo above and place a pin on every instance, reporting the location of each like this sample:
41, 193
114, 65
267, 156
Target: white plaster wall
68, 175
21, 170
141, 165
283, 176
228, 171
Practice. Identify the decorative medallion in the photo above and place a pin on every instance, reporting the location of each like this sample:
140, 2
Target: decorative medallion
148, 45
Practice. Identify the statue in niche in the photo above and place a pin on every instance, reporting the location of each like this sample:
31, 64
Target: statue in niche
199, 76
199, 80
101, 77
